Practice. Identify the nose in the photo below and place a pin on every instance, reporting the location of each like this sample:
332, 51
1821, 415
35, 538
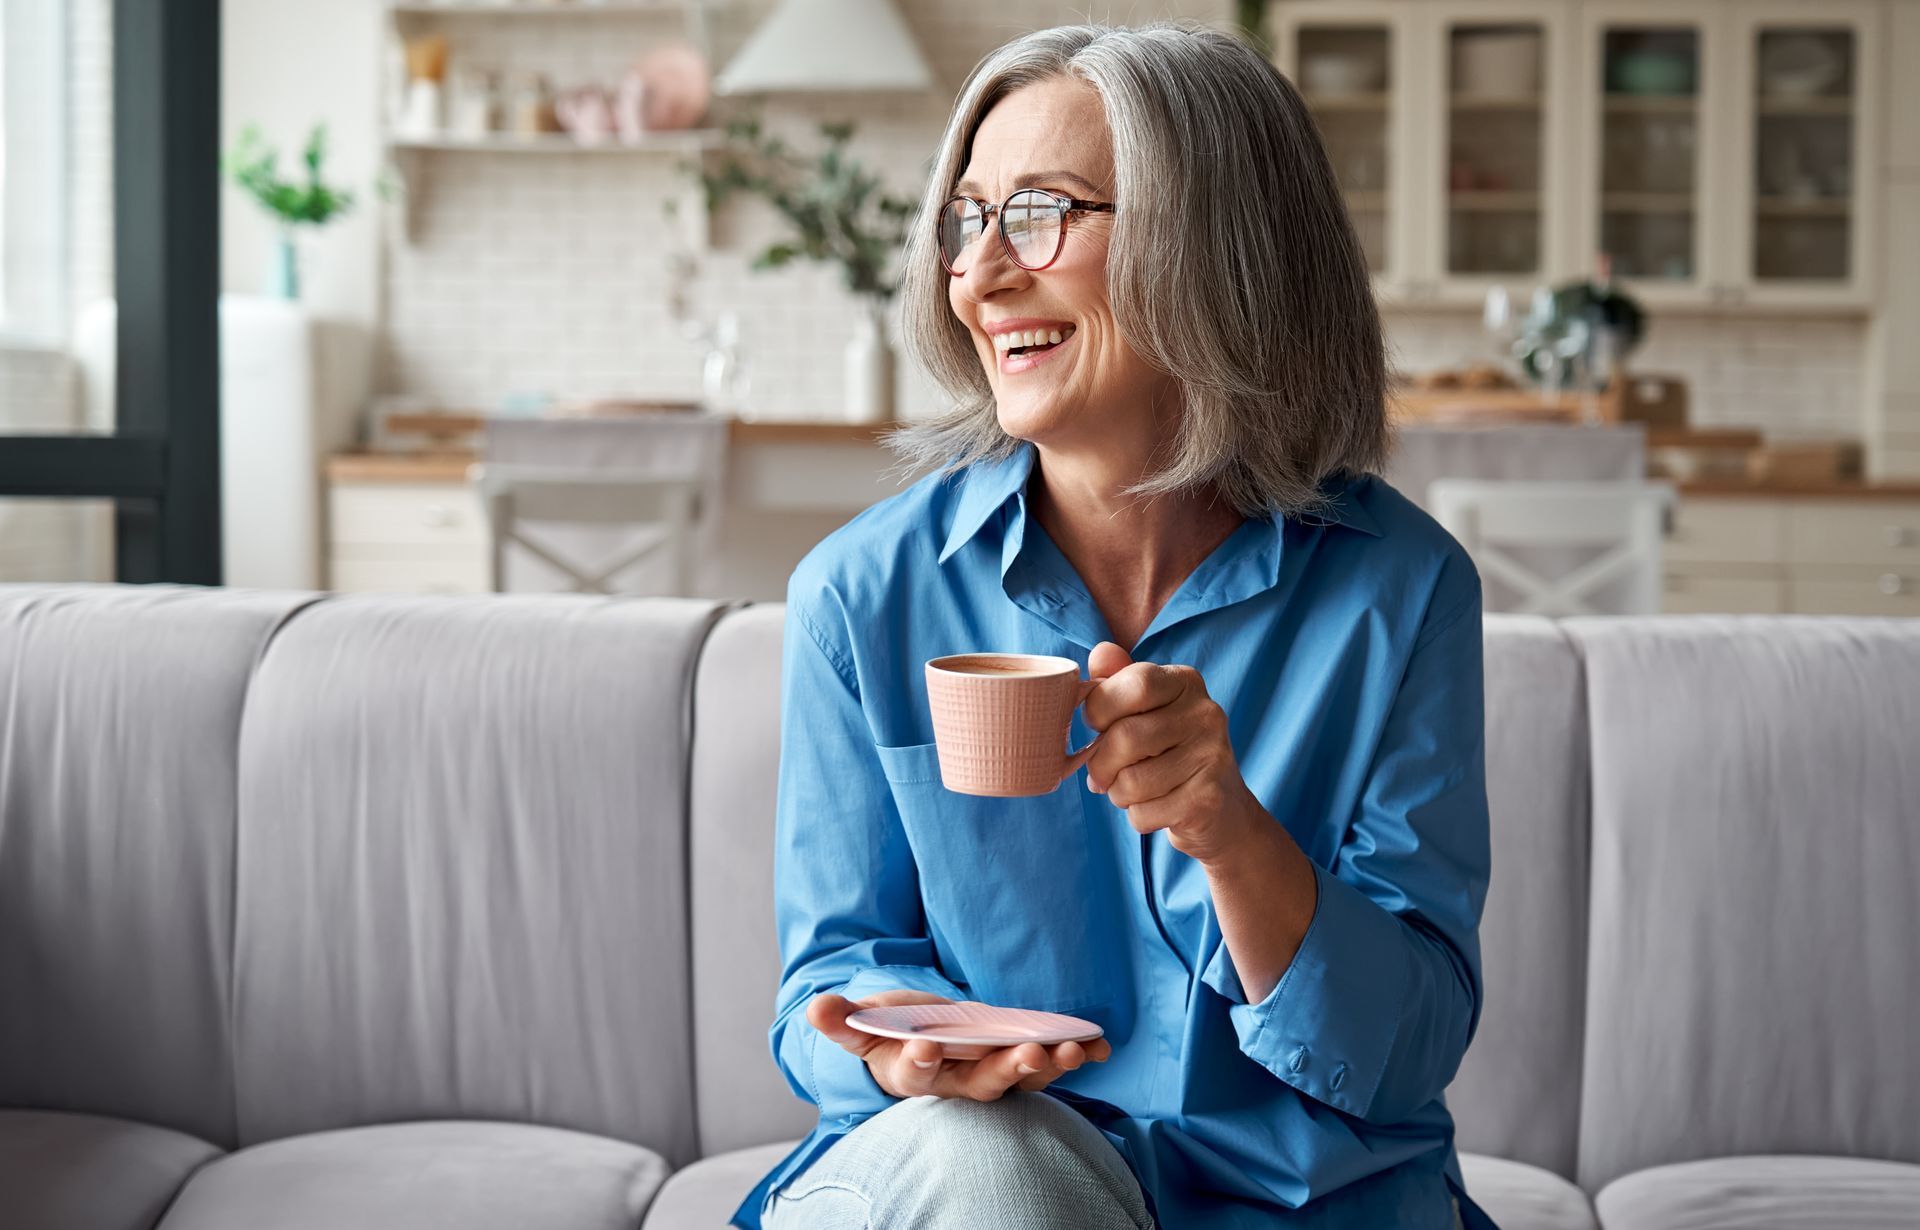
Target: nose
992, 268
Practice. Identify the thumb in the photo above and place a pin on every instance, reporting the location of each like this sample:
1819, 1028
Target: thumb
1107, 659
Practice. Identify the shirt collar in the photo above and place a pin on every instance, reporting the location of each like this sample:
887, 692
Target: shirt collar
987, 486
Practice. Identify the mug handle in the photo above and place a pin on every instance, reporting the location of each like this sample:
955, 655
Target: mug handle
1080, 758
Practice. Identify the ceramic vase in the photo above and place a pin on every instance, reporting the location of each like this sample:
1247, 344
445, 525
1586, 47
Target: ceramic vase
283, 268
869, 388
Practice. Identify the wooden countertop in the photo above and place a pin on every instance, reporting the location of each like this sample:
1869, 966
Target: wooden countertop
450, 466
1730, 489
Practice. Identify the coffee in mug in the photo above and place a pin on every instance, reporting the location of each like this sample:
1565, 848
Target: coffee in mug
1001, 721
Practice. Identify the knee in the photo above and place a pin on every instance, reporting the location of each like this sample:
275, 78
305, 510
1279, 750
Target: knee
982, 1152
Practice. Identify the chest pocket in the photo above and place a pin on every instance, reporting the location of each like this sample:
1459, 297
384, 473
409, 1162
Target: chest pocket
1020, 894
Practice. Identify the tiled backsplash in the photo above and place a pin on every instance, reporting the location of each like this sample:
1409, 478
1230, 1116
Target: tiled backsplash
1789, 377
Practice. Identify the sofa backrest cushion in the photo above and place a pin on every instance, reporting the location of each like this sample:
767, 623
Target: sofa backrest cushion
122, 711
1756, 852
462, 867
743, 1099
1517, 1095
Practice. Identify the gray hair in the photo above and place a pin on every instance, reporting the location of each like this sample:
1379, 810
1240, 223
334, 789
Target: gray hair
1232, 265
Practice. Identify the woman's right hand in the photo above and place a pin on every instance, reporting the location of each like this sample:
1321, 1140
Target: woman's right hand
913, 1069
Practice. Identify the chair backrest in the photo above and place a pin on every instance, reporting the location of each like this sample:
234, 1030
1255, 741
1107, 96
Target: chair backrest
1560, 548
665, 507
1756, 848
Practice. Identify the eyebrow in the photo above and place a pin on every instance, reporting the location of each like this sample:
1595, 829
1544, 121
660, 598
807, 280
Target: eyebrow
1033, 179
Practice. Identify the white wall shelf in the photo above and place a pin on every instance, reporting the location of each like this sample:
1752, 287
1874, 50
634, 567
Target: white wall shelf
415, 159
687, 141
549, 8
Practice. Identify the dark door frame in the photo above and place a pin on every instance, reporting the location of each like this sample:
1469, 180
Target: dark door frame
161, 466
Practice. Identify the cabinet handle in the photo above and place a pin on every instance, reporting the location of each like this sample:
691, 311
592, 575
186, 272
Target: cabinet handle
1892, 584
436, 515
1899, 536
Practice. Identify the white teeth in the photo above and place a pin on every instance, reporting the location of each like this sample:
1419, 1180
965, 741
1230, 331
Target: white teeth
1028, 337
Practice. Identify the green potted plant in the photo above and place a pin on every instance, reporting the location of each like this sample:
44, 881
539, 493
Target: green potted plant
252, 164
837, 213
1579, 333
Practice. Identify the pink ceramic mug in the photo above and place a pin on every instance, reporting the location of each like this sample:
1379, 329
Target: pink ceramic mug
1001, 721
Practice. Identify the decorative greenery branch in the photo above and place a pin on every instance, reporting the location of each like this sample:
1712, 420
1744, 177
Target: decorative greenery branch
252, 165
839, 211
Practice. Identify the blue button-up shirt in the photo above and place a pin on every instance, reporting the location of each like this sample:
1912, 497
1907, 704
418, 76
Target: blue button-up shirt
1346, 652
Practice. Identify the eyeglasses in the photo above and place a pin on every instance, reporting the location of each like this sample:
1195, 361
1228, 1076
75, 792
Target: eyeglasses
1033, 226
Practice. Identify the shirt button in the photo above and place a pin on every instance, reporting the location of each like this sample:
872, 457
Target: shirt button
1339, 1077
1298, 1061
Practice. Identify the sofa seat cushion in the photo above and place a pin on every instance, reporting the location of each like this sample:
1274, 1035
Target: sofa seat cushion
1765, 1193
705, 1194
63, 1171
1515, 1195
475, 1175
1522, 1197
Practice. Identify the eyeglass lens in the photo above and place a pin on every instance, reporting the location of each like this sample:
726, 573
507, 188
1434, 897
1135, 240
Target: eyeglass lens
1030, 220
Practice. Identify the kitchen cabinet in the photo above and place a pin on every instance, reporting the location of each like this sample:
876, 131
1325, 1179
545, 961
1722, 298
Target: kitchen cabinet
1804, 159
417, 532
1354, 67
1721, 151
1856, 553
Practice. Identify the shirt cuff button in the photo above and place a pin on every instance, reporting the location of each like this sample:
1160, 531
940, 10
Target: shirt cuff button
1339, 1077
1298, 1061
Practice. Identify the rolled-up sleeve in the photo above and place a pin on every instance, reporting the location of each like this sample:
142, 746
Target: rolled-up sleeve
1375, 1012
847, 900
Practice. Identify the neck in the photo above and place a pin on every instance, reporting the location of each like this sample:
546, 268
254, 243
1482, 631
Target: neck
1126, 543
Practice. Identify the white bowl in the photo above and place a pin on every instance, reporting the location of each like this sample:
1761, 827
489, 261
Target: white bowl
1339, 75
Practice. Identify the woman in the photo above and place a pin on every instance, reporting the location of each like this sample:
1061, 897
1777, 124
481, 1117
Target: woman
1138, 279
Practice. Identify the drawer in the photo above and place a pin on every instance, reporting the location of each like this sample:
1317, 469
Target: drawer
1727, 532
348, 574
422, 514
1856, 533
1861, 591
1685, 593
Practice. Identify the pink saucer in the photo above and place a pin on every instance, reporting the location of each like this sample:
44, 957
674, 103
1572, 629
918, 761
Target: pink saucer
969, 1030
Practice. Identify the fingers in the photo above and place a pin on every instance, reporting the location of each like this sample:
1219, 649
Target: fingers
915, 1070
1140, 688
1108, 658
987, 1080
828, 1013
1136, 737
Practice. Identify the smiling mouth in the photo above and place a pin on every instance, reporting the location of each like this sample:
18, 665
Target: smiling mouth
1028, 345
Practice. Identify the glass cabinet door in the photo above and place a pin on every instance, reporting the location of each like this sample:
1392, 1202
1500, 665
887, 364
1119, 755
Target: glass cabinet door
1346, 76
1495, 144
1802, 133
1806, 116
1348, 65
1648, 151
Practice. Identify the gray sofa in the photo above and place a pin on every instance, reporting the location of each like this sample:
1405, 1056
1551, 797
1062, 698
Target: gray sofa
327, 912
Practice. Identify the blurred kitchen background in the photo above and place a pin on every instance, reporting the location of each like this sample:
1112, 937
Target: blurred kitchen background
556, 294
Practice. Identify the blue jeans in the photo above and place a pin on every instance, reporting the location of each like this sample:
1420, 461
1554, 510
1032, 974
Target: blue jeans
1025, 1162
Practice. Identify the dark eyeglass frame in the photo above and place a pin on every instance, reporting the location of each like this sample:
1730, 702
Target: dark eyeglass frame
997, 216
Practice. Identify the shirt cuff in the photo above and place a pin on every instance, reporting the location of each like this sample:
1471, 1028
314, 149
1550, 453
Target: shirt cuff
843, 1086
1329, 1026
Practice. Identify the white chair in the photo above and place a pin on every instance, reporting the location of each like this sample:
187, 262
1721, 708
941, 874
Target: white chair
667, 507
1608, 534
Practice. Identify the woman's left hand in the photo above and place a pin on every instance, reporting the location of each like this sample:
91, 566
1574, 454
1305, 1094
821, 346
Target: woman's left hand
1164, 755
